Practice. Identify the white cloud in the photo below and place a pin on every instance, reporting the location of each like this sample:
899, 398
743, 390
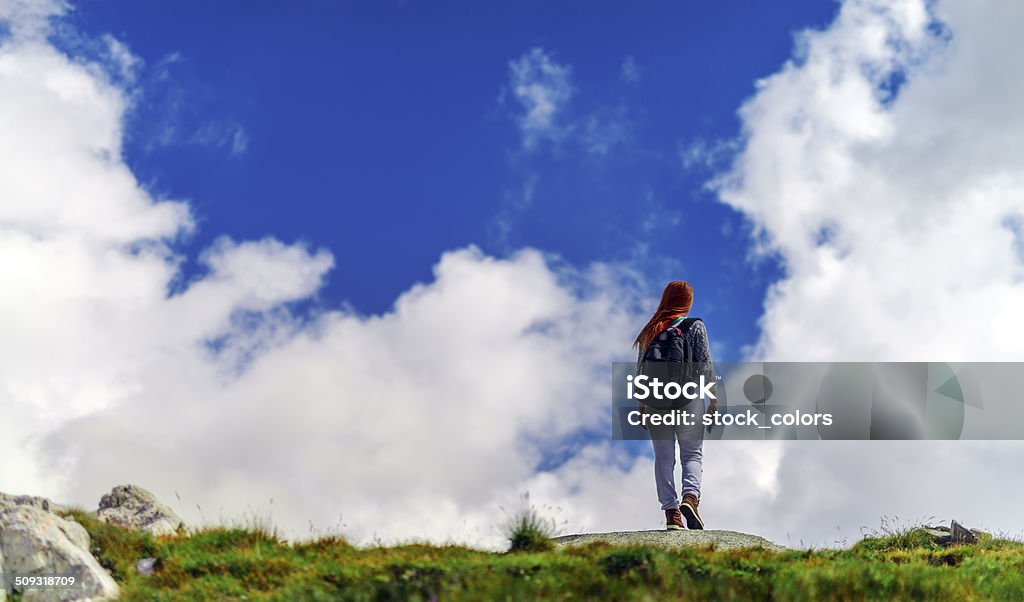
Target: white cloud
884, 165
172, 104
629, 71
542, 88
890, 211
416, 422
515, 203
435, 412
218, 134
701, 154
29, 19
121, 56
239, 141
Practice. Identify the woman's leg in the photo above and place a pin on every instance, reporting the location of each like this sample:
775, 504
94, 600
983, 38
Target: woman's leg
691, 454
665, 466
691, 450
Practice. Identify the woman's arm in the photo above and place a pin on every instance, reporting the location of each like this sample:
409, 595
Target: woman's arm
701, 354
700, 348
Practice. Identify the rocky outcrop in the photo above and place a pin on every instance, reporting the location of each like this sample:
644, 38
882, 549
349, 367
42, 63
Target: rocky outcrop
30, 500
133, 507
720, 540
953, 535
35, 540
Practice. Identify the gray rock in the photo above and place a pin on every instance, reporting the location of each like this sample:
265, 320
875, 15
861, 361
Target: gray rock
721, 540
133, 507
34, 541
961, 535
145, 566
953, 535
42, 503
938, 534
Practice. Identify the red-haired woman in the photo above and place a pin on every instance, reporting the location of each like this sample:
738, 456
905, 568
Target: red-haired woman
669, 325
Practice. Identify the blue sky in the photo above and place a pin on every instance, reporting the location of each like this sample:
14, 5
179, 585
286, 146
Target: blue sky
386, 133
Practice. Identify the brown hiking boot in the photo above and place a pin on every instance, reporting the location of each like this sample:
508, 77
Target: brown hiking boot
674, 520
689, 511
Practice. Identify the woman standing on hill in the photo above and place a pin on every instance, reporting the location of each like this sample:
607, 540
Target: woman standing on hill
670, 336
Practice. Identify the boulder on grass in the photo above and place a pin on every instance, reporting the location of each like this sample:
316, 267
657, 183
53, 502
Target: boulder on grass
953, 535
35, 501
34, 541
133, 507
719, 539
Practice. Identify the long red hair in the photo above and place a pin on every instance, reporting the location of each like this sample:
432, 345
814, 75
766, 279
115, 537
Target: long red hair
676, 300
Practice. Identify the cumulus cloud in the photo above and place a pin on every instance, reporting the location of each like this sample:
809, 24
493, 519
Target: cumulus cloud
418, 422
883, 166
434, 412
890, 206
88, 257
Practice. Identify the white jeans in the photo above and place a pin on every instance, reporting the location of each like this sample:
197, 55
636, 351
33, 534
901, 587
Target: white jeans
691, 454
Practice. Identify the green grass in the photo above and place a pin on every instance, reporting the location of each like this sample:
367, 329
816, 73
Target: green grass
530, 531
255, 564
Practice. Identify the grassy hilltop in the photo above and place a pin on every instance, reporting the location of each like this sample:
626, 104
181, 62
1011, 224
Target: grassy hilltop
254, 564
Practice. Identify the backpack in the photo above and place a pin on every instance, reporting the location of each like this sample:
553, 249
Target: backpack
670, 345
668, 358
